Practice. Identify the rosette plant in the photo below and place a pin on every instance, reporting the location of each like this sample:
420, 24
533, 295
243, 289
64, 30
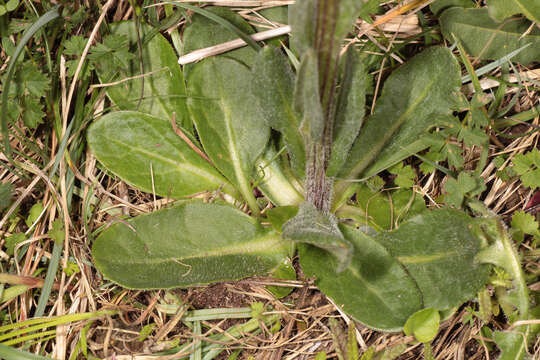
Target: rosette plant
249, 119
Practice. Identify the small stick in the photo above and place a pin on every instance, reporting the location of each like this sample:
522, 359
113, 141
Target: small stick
200, 54
187, 140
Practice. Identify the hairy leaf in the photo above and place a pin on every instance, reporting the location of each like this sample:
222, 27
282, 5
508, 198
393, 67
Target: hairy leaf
320, 229
486, 39
203, 32
273, 86
501, 9
349, 111
413, 98
374, 289
438, 250
194, 243
164, 89
142, 149
228, 121
438, 6
302, 19
307, 99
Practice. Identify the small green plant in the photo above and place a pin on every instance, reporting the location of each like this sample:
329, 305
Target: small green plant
325, 149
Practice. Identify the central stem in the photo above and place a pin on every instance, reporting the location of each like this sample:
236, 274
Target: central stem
318, 185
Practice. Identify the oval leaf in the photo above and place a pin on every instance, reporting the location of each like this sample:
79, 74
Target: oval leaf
203, 32
164, 88
482, 37
438, 6
438, 250
139, 147
194, 243
412, 98
501, 9
374, 289
273, 86
350, 110
228, 121
423, 324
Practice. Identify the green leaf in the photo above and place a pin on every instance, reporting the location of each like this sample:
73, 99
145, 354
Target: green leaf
273, 87
228, 121
318, 29
314, 227
466, 184
527, 167
143, 149
423, 324
164, 89
6, 190
307, 98
279, 215
413, 98
302, 19
9, 352
512, 344
223, 22
352, 342
385, 209
32, 80
438, 250
71, 268
57, 232
524, 223
203, 32
32, 112
35, 212
530, 8
74, 45
194, 243
350, 110
12, 241
146, 331
486, 39
404, 175
374, 289
438, 6
391, 353
273, 181
501, 9
285, 271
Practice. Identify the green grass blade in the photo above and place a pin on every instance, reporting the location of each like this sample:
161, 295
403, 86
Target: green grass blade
487, 68
42, 21
47, 322
49, 279
29, 337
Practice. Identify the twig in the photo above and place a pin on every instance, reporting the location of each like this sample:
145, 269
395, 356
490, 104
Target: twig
200, 54
187, 140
